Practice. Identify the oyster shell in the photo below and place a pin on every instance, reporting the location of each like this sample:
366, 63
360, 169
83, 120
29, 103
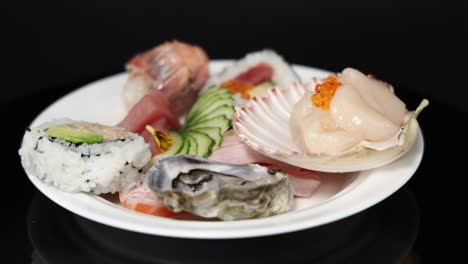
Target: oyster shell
215, 189
263, 125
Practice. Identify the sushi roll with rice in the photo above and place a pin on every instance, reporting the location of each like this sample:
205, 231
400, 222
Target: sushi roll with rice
82, 156
254, 75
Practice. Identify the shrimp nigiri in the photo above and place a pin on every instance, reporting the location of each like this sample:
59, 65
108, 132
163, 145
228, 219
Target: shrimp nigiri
177, 69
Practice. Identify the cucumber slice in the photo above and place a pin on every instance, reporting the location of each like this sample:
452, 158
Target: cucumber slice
221, 121
215, 99
177, 142
209, 94
185, 147
205, 124
205, 143
225, 110
210, 109
213, 132
193, 146
214, 89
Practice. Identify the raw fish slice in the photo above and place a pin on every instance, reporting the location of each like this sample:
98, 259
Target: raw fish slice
256, 75
143, 200
151, 108
178, 70
304, 182
304, 185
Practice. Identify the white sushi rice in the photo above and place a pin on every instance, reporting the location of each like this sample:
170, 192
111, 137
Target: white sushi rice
105, 167
283, 74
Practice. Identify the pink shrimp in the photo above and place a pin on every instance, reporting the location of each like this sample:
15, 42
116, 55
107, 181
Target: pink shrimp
143, 200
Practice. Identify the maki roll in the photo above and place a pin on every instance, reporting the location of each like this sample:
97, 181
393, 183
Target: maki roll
79, 156
254, 75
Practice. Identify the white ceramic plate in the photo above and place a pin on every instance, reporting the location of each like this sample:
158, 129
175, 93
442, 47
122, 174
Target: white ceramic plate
338, 196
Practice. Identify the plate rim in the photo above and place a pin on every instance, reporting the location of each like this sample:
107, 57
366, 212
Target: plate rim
105, 211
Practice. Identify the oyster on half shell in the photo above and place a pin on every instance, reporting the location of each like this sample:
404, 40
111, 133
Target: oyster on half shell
215, 189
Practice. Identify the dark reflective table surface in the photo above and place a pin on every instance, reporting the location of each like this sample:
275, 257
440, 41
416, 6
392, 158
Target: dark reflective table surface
421, 223
384, 234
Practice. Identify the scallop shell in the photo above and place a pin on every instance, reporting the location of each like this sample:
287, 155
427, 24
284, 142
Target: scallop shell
263, 125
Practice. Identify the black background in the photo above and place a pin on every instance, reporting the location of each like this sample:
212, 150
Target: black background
414, 45
50, 48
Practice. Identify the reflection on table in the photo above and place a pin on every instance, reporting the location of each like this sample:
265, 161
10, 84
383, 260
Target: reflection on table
382, 234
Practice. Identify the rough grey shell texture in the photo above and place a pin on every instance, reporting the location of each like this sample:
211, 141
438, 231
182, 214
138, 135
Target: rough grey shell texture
215, 189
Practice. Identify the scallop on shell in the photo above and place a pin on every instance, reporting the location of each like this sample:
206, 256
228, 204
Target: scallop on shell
263, 125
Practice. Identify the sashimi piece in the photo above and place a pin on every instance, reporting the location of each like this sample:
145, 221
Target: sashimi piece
256, 75
247, 80
154, 148
152, 108
143, 200
230, 138
304, 182
183, 100
238, 154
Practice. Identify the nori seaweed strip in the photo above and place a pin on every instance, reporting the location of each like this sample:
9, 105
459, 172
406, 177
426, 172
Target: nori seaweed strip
37, 145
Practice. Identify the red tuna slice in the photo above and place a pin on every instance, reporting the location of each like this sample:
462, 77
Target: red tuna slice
154, 148
161, 125
152, 108
256, 75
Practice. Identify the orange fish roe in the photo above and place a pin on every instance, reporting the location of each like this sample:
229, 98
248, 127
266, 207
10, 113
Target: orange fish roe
235, 86
324, 92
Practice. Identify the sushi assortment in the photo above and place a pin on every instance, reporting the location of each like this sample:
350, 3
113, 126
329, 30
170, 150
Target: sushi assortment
240, 144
